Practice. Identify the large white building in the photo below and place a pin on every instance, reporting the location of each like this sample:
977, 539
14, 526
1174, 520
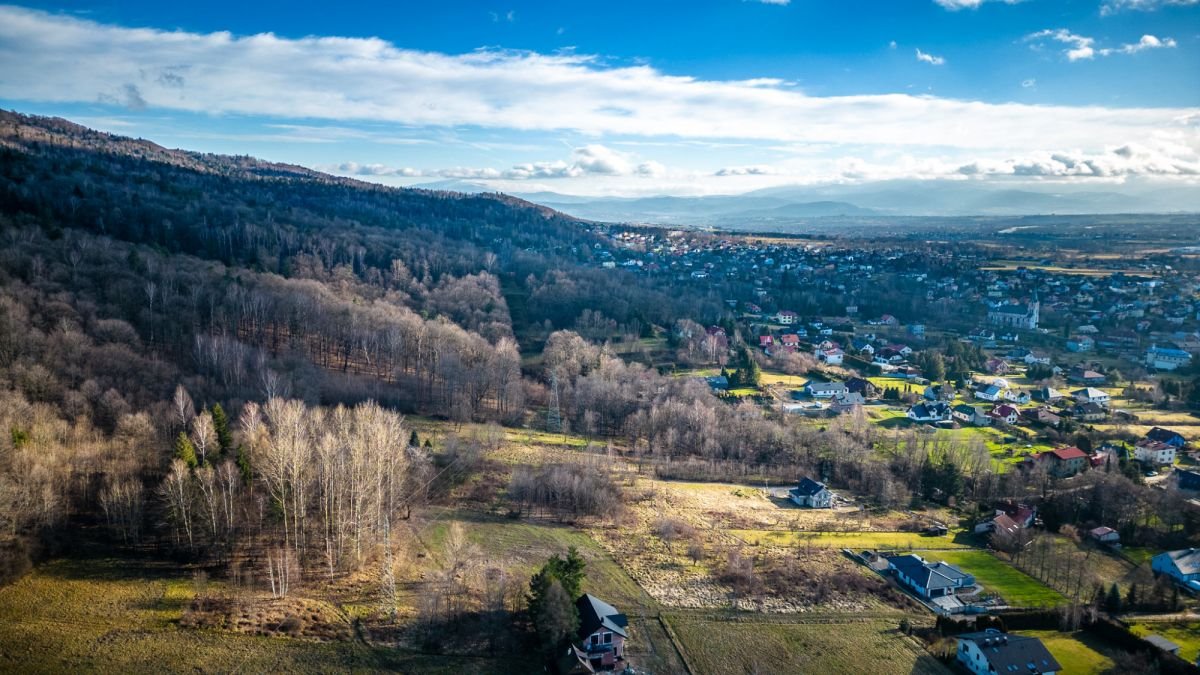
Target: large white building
1167, 358
1016, 314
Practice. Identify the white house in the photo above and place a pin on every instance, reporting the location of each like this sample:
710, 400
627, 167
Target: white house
833, 356
1167, 358
1154, 452
826, 389
811, 494
1091, 395
992, 392
929, 412
1183, 566
992, 652
786, 317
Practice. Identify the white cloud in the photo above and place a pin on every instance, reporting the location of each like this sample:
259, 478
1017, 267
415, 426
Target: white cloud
755, 170
1156, 159
1147, 42
1110, 7
587, 160
1080, 47
772, 2
930, 58
955, 5
349, 81
1030, 83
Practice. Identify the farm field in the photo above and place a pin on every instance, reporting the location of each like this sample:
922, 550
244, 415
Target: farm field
1016, 587
1186, 634
748, 647
1078, 652
856, 541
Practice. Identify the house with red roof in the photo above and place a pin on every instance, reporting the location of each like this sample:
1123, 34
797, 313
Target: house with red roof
1063, 462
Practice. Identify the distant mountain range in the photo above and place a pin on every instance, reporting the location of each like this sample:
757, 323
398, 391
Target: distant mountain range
779, 206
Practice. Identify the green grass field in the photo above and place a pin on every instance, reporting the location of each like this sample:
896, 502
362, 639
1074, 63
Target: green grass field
1077, 652
770, 647
1016, 587
1186, 634
856, 541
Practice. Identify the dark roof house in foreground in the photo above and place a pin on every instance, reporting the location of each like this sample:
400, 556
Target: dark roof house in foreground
601, 637
992, 652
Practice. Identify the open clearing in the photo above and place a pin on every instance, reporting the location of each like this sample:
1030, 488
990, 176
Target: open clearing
1078, 652
751, 647
996, 576
856, 541
121, 616
1186, 634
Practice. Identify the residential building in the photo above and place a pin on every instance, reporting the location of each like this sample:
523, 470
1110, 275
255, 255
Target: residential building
969, 414
926, 579
601, 636
1016, 315
1089, 412
1154, 453
1172, 438
929, 412
811, 494
1183, 566
992, 392
1104, 535
826, 389
1167, 358
1091, 395
1064, 462
992, 652
1004, 413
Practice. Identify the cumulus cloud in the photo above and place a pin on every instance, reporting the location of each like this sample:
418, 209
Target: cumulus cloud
955, 5
1080, 47
587, 160
930, 58
349, 81
1110, 7
754, 170
1158, 159
1147, 42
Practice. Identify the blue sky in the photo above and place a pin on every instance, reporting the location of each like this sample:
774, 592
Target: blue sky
634, 98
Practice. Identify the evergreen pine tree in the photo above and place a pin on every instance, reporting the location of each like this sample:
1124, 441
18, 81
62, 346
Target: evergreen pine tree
1113, 602
221, 426
413, 440
185, 450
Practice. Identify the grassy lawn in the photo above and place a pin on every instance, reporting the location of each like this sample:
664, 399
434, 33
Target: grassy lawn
1016, 587
856, 541
852, 647
1183, 633
1139, 555
106, 615
1077, 652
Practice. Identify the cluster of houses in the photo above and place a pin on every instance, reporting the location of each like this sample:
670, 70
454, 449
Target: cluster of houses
1150, 318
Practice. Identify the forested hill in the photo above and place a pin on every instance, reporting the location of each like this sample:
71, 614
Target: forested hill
187, 201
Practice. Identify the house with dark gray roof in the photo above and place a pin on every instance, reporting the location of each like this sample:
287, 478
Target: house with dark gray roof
811, 494
992, 652
928, 579
601, 637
